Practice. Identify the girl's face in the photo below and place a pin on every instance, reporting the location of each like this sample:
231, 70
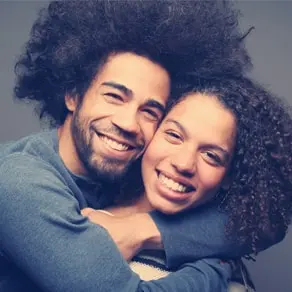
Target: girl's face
188, 158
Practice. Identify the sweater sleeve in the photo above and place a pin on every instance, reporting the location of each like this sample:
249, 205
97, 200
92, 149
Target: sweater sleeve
44, 235
202, 233
200, 276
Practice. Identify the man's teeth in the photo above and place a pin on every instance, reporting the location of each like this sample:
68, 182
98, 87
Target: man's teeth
113, 144
171, 184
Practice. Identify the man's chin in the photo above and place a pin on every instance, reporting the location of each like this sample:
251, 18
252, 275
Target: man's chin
110, 173
113, 175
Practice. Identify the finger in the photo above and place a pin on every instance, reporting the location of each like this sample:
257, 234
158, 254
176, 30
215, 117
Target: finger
86, 211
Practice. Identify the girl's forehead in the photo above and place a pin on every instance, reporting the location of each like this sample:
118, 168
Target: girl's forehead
203, 117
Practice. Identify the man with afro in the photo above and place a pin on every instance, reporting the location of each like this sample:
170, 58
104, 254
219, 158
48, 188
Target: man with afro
104, 73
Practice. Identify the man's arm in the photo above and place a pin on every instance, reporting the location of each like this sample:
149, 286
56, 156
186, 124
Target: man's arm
203, 275
46, 237
184, 237
203, 232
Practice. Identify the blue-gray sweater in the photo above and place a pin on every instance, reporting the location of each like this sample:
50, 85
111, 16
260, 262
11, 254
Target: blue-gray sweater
46, 245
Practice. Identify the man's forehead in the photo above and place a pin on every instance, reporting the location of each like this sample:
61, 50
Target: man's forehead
135, 76
125, 67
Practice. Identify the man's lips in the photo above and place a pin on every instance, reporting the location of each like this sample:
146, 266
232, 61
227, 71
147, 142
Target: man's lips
127, 145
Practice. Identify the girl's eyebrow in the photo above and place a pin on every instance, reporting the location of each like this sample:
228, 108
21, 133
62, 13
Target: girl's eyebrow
178, 124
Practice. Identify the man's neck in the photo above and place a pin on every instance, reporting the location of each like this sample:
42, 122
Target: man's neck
67, 149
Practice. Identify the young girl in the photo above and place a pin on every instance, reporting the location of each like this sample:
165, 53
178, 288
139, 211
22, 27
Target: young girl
226, 142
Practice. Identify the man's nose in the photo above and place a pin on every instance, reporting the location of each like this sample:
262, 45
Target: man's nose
127, 120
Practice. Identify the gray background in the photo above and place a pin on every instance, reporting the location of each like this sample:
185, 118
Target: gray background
270, 46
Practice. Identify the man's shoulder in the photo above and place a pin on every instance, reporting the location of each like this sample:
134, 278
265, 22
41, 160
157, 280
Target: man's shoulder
33, 162
33, 154
41, 146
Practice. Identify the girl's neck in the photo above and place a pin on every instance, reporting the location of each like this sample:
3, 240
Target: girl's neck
141, 205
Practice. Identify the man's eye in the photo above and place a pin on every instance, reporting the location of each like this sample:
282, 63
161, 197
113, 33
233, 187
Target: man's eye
113, 96
152, 114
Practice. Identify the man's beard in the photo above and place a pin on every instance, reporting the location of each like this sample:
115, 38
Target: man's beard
108, 170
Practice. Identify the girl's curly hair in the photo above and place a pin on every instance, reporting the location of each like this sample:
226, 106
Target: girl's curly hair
259, 200
71, 40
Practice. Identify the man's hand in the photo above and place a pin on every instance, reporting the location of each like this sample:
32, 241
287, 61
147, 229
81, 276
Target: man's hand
131, 233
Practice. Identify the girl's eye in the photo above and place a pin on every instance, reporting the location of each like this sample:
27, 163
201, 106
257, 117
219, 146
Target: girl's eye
173, 136
213, 158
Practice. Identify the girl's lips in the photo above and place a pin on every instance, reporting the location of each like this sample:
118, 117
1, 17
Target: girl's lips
170, 194
175, 181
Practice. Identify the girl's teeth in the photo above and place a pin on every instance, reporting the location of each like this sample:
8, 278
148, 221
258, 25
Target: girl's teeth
114, 145
171, 184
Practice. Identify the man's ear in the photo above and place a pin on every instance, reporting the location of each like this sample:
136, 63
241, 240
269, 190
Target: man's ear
71, 102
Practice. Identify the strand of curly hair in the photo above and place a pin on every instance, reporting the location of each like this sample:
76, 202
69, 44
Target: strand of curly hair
259, 200
71, 40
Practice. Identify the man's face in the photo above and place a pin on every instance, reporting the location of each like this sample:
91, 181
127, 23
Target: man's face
118, 115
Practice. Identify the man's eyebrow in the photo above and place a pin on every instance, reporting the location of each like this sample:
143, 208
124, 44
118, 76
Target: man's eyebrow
156, 104
118, 86
151, 102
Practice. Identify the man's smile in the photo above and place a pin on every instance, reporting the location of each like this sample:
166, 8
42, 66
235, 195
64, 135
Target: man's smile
115, 144
115, 148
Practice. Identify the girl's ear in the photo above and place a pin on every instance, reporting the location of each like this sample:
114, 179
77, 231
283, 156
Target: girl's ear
226, 182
